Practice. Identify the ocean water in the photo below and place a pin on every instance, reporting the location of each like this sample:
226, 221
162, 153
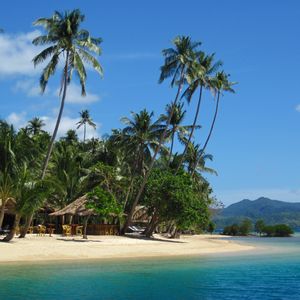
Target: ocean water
271, 272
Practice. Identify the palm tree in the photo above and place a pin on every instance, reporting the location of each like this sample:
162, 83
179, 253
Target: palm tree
198, 77
35, 126
85, 120
138, 139
218, 84
6, 192
196, 161
177, 61
28, 196
71, 137
175, 123
74, 45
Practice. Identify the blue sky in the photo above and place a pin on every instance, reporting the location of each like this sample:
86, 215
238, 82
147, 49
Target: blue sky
256, 141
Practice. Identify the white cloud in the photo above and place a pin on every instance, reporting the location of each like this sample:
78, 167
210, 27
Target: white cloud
30, 87
20, 120
17, 119
298, 108
74, 95
17, 52
69, 123
283, 194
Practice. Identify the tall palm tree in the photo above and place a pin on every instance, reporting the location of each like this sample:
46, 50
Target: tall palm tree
35, 126
198, 77
85, 120
218, 84
74, 45
177, 61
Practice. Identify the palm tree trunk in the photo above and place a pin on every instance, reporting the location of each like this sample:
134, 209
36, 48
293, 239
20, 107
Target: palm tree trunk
210, 132
2, 213
84, 132
152, 224
26, 227
193, 129
62, 104
12, 232
161, 141
50, 148
172, 144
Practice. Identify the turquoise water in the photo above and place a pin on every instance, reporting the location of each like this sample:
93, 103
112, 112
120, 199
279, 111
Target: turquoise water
273, 272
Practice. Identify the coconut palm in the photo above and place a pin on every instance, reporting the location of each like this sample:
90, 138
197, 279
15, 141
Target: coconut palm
218, 84
196, 161
72, 44
177, 61
35, 126
6, 192
198, 77
175, 124
85, 120
138, 139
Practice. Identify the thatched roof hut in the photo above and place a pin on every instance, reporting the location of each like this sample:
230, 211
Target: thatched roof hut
77, 207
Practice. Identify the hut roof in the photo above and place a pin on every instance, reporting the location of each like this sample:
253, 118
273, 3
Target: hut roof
77, 207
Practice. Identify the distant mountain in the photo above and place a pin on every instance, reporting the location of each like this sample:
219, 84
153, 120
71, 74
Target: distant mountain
271, 211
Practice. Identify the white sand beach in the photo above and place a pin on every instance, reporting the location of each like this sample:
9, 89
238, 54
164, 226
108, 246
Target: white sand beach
36, 248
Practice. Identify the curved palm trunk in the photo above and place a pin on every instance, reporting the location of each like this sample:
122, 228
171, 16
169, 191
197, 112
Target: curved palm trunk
62, 104
2, 213
172, 144
12, 232
27, 225
50, 148
210, 132
193, 129
161, 141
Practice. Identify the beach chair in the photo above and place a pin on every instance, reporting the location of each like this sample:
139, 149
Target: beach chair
41, 230
79, 230
67, 230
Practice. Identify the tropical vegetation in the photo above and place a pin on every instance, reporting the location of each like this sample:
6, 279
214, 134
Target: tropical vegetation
135, 165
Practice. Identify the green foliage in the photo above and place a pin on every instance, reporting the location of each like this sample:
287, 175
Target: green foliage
211, 227
279, 230
176, 198
245, 227
103, 203
259, 226
233, 229
239, 229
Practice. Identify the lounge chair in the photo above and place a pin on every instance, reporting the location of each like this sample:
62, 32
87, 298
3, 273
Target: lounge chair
134, 229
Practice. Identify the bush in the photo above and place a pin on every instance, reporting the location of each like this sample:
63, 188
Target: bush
279, 230
245, 227
231, 230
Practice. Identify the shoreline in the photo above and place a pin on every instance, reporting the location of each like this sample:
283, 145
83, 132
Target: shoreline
35, 249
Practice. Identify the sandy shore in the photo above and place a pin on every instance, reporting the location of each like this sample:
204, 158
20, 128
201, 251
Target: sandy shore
36, 248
